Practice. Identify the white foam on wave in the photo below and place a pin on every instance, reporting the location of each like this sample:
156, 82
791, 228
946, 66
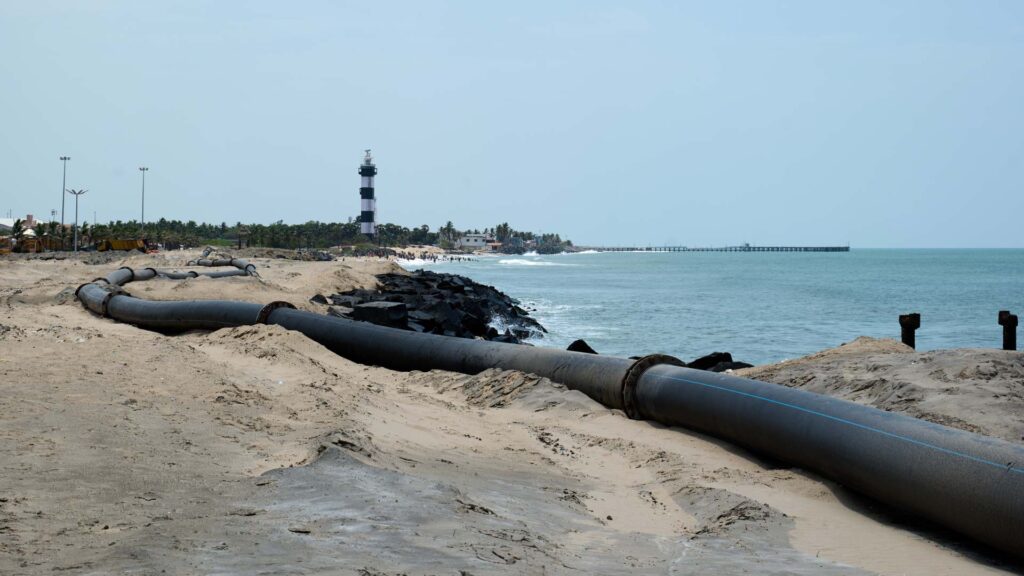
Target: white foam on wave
414, 262
531, 253
521, 262
565, 323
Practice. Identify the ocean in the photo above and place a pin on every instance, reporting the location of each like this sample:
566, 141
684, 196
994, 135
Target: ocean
761, 307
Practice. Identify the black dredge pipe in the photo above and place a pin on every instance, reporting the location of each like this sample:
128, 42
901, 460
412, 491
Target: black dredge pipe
599, 377
184, 315
966, 482
106, 297
239, 263
971, 483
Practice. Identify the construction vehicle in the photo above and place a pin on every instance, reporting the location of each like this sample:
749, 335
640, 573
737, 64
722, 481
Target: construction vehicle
29, 244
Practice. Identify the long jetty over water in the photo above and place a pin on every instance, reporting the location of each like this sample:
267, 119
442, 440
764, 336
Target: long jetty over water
741, 248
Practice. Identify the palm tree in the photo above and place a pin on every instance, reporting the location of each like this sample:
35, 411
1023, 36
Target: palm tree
84, 230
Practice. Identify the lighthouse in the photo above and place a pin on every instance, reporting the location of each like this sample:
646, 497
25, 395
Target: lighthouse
368, 215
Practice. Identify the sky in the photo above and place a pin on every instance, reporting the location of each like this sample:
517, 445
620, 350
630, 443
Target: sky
870, 123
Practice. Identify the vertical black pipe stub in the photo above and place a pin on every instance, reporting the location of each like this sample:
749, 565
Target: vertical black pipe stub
632, 378
1009, 323
909, 323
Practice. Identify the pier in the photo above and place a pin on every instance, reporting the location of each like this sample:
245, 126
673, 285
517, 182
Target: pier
740, 248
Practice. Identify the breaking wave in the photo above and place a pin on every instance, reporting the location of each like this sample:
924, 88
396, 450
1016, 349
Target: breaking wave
409, 264
521, 262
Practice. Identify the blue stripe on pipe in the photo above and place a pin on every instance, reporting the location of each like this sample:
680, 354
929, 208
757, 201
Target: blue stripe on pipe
1008, 467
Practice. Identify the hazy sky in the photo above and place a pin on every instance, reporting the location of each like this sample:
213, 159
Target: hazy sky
701, 123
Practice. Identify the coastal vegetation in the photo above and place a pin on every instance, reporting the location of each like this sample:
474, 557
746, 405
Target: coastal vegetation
312, 234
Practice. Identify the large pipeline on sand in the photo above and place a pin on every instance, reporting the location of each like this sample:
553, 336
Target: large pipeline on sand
970, 483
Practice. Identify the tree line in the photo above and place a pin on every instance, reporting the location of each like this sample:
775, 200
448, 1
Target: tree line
312, 234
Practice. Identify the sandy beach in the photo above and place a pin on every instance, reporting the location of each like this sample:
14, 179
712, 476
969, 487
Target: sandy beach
255, 450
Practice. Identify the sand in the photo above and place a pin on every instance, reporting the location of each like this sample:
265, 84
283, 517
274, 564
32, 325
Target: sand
254, 450
981, 391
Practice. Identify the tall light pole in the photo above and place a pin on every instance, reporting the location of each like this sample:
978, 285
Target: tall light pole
143, 169
53, 217
63, 187
76, 194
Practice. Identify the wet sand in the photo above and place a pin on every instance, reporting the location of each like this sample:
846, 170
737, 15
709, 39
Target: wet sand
254, 450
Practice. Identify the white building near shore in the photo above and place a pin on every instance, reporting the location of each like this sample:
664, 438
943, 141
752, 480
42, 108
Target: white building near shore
473, 242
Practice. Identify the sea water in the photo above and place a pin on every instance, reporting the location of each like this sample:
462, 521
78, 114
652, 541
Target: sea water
761, 307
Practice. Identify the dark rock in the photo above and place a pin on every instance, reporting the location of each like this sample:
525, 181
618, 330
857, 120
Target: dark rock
444, 304
318, 299
421, 316
385, 313
339, 311
717, 362
350, 300
474, 324
581, 346
723, 366
522, 333
713, 359
443, 314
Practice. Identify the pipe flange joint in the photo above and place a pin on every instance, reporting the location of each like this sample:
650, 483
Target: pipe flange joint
193, 273
130, 271
632, 378
110, 291
266, 310
103, 305
80, 286
155, 271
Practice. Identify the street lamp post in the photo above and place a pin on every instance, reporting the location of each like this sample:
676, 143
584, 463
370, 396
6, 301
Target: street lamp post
63, 187
76, 194
143, 169
53, 217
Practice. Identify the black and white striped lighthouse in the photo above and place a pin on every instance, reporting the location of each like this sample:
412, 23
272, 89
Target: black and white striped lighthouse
368, 216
